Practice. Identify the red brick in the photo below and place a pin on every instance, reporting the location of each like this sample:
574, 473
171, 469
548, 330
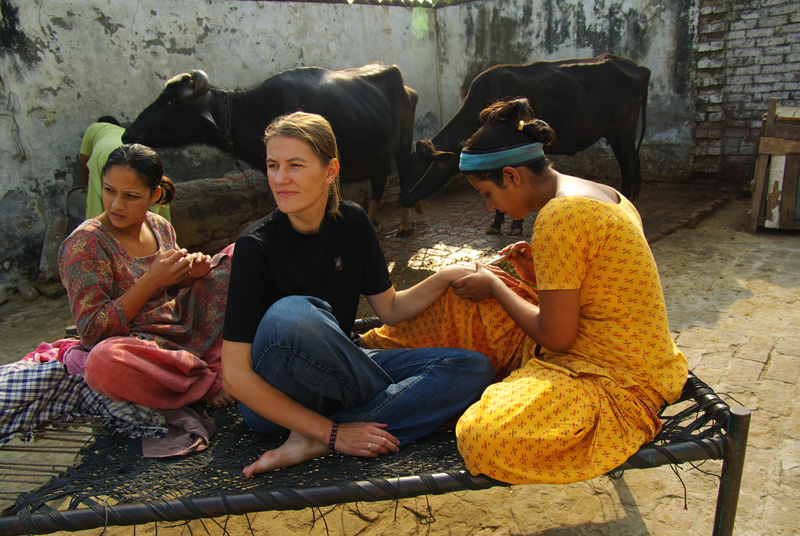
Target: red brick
737, 133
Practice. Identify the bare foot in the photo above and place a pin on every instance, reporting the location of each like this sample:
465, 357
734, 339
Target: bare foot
297, 449
221, 399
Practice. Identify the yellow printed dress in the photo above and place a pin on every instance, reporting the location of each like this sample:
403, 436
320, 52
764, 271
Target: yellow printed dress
571, 416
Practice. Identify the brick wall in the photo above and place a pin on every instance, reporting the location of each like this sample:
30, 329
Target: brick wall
744, 55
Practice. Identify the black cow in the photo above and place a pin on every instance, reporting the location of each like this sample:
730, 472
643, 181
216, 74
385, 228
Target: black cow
370, 109
583, 100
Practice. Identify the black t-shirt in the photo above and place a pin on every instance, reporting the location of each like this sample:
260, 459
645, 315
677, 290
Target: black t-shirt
271, 261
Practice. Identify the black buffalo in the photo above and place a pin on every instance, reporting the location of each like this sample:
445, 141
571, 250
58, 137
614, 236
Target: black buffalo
583, 100
370, 109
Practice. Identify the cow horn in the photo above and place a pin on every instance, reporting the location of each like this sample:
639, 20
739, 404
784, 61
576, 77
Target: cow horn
200, 82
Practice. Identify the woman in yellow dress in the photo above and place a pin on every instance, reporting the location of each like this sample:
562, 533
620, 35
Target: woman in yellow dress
580, 343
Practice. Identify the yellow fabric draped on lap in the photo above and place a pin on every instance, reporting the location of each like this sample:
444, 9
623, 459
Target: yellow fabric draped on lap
564, 417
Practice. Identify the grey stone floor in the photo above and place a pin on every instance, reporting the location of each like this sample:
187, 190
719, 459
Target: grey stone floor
734, 310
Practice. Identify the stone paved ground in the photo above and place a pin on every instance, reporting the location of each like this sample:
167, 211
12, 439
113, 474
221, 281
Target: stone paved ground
734, 310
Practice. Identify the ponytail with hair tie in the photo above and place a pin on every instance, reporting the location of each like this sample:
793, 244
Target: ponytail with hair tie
509, 124
167, 191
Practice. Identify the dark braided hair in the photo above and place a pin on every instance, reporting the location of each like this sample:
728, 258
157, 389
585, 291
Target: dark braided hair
500, 130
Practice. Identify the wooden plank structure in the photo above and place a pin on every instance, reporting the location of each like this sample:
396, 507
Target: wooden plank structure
777, 170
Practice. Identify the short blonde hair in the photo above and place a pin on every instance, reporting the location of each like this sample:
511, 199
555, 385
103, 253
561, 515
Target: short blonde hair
318, 133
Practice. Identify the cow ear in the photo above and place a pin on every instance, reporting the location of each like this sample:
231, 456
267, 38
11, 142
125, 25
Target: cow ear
443, 155
177, 79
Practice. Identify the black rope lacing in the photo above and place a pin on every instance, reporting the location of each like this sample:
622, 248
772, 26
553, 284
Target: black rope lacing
113, 468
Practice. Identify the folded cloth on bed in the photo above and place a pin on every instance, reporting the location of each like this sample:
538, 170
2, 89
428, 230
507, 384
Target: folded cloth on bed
32, 394
189, 431
68, 351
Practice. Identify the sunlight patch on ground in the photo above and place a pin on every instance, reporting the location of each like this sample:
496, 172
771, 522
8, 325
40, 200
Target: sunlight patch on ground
440, 255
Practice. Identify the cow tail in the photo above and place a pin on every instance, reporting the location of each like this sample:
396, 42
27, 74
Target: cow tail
637, 174
644, 120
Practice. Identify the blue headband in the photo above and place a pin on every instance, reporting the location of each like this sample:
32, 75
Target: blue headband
487, 161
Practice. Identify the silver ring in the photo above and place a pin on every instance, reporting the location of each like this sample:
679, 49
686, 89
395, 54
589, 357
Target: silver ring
369, 445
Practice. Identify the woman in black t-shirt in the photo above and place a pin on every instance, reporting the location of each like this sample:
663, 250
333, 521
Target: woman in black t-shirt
295, 284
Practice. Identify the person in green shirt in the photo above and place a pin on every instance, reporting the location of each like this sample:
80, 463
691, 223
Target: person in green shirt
99, 140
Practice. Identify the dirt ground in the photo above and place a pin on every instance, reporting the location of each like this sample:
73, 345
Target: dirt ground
733, 302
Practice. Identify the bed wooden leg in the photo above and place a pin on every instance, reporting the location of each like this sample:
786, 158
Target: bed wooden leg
732, 469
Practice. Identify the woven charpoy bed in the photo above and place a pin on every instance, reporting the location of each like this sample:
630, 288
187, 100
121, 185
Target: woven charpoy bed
114, 485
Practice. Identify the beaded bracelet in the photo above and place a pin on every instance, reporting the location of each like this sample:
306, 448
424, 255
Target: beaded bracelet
332, 440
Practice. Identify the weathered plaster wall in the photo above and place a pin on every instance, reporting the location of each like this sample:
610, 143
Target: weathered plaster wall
653, 33
64, 63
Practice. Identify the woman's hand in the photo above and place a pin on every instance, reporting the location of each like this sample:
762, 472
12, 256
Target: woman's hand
520, 255
510, 282
169, 268
369, 439
200, 265
479, 285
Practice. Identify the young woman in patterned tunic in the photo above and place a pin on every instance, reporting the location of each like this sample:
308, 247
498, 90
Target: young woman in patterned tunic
149, 313
581, 342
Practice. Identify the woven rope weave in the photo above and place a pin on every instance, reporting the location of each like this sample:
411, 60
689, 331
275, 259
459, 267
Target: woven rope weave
113, 472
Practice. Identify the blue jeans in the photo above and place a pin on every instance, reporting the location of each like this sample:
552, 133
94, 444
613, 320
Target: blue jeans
300, 349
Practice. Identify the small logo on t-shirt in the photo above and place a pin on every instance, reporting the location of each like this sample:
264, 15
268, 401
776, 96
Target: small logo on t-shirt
338, 265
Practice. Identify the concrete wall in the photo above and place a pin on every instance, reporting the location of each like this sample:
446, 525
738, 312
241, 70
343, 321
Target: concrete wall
653, 33
64, 63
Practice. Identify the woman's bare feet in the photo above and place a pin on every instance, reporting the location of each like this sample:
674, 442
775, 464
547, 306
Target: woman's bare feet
221, 399
297, 449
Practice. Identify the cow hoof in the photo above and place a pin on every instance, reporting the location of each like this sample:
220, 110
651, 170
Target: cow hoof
493, 230
404, 233
515, 231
